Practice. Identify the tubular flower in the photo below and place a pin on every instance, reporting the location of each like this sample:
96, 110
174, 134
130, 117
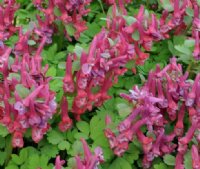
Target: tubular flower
165, 97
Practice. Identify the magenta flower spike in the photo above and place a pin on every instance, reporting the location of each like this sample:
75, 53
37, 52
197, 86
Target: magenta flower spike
59, 163
87, 152
66, 122
195, 157
79, 164
17, 140
68, 79
179, 125
147, 142
179, 161
189, 135
192, 94
90, 161
197, 46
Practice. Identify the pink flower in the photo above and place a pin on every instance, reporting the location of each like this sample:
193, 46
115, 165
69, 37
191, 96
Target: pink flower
17, 140
59, 163
90, 161
195, 157
66, 122
68, 83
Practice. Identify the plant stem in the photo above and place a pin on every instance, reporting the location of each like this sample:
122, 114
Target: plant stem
100, 2
8, 149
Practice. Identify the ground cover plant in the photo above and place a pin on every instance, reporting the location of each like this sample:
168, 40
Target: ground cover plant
107, 84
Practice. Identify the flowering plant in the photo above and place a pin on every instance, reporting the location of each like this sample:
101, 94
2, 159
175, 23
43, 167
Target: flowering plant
66, 67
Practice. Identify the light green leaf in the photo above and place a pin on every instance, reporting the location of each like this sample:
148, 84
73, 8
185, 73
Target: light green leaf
70, 29
2, 157
64, 145
3, 131
54, 137
78, 50
188, 160
34, 161
16, 159
49, 150
83, 127
31, 42
136, 36
123, 109
51, 71
160, 166
169, 159
12, 167
120, 163
183, 49
62, 65
22, 91
129, 19
190, 12
167, 5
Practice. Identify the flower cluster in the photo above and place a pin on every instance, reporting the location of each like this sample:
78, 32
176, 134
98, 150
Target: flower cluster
70, 13
112, 48
195, 31
26, 100
89, 161
167, 97
7, 28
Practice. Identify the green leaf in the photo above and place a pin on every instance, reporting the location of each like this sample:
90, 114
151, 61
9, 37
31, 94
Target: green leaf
169, 159
56, 85
160, 166
79, 135
2, 142
16, 159
31, 42
136, 36
62, 65
83, 127
132, 153
183, 49
78, 50
22, 91
2, 157
14, 75
49, 150
34, 161
190, 12
3, 131
71, 163
189, 42
61, 55
64, 145
96, 127
93, 29
188, 160
57, 11
51, 71
123, 109
129, 19
70, 29
54, 137
166, 4
101, 141
76, 148
12, 167
23, 154
120, 163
